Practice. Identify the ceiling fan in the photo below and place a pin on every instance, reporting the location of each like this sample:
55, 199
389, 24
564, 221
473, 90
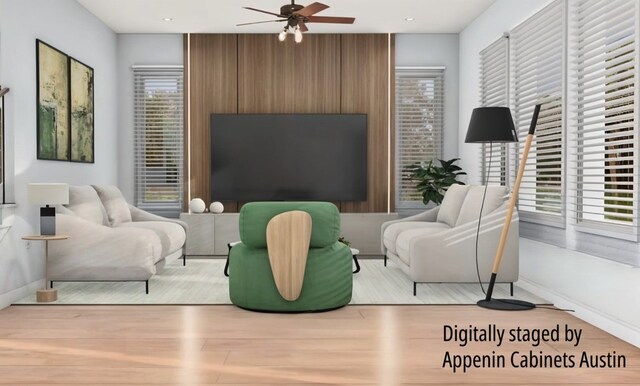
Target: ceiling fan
297, 16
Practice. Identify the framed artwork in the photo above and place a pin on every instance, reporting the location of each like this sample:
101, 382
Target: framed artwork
52, 92
82, 124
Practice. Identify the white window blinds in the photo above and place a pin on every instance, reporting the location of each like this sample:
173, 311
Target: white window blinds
494, 91
537, 78
603, 36
419, 126
158, 128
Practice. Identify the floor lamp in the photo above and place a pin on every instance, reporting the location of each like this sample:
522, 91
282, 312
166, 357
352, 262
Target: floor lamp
489, 125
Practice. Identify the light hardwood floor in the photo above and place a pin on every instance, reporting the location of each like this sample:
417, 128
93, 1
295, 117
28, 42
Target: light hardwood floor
225, 345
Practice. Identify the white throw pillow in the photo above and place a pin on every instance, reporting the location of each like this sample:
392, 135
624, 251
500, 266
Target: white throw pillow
496, 196
451, 204
85, 203
115, 204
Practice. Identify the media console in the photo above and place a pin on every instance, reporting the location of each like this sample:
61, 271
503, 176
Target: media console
208, 234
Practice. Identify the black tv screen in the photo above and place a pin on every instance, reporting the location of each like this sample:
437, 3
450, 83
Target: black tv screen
273, 157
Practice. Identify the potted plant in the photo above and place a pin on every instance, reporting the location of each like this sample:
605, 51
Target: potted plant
432, 181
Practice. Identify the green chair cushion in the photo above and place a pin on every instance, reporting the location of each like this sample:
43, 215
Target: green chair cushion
255, 216
327, 280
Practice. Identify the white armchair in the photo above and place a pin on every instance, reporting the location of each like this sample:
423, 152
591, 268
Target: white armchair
438, 245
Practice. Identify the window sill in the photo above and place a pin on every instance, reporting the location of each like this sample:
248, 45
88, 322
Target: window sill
622, 233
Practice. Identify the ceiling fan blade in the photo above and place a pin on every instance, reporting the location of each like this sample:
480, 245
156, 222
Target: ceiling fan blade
312, 9
267, 12
331, 19
260, 22
303, 27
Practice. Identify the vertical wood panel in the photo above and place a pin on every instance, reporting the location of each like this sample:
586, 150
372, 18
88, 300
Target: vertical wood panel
392, 126
285, 77
365, 90
213, 89
187, 156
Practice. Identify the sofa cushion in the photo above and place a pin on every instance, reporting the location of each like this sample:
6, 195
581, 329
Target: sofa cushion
255, 216
392, 232
172, 236
470, 211
404, 241
115, 204
85, 203
451, 204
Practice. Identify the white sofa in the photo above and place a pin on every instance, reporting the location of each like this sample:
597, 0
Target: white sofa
438, 245
111, 240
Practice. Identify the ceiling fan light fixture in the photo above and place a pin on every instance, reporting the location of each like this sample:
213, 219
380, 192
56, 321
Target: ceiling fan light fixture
282, 36
298, 35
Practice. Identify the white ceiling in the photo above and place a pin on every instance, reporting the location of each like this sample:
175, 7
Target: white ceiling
221, 16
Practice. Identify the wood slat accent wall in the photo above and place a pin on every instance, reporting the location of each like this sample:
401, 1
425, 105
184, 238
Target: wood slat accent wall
213, 88
255, 73
365, 79
285, 77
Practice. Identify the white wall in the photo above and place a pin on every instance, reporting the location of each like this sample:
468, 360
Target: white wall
436, 50
501, 17
138, 49
72, 29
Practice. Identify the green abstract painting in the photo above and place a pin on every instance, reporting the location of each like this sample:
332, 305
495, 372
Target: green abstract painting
82, 129
53, 103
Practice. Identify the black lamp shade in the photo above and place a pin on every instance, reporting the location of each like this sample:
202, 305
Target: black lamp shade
491, 124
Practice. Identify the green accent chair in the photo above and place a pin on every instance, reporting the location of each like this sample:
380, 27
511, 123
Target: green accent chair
328, 277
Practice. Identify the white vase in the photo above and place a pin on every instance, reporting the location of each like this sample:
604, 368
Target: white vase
216, 207
197, 205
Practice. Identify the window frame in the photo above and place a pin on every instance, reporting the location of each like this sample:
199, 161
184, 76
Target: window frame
525, 28
438, 73
152, 73
621, 231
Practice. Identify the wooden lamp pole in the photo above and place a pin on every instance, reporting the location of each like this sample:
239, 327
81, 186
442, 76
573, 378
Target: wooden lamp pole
510, 304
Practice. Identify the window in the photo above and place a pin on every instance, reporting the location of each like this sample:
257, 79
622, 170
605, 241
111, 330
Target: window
494, 91
604, 152
158, 128
419, 126
537, 61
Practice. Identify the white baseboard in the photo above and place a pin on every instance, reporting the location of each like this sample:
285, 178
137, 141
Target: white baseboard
603, 321
10, 297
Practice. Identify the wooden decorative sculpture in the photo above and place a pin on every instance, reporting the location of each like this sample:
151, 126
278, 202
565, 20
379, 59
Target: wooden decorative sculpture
288, 239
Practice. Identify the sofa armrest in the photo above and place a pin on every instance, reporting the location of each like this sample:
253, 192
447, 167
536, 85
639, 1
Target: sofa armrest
96, 252
429, 215
138, 214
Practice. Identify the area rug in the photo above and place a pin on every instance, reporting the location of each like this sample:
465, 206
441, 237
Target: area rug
202, 282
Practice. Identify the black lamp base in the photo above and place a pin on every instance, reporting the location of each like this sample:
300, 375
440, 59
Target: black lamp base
506, 304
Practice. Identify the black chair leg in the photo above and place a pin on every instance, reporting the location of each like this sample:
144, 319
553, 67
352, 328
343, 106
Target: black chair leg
51, 283
226, 265
415, 289
184, 260
385, 260
355, 260
147, 287
511, 288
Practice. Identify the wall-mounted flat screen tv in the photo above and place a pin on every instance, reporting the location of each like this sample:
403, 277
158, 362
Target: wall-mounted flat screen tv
281, 157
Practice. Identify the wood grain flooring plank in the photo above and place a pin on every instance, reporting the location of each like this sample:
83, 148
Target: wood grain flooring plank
226, 345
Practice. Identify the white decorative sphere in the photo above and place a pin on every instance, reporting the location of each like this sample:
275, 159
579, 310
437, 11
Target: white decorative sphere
216, 207
197, 205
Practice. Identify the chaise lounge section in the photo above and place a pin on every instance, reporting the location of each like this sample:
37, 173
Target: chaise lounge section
111, 240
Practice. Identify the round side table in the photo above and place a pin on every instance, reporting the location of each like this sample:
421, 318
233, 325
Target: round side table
46, 294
